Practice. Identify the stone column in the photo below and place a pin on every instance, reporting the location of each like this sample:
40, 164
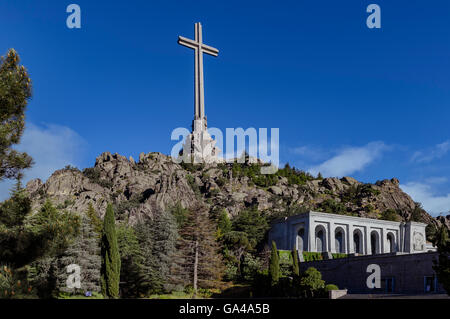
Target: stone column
401, 238
350, 249
367, 241
383, 239
332, 246
311, 235
329, 239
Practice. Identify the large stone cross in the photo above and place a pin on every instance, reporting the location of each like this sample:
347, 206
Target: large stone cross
200, 48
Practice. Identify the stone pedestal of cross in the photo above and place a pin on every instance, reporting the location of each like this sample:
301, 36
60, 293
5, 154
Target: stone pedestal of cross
199, 147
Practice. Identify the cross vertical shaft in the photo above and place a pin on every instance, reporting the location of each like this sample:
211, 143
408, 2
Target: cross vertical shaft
199, 93
199, 48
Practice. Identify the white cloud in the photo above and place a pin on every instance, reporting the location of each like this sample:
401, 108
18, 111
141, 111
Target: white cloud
435, 152
424, 194
436, 180
52, 147
350, 160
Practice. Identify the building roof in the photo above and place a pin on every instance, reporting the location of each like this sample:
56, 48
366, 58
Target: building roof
340, 216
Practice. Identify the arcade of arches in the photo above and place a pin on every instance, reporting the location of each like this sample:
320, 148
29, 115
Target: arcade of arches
322, 232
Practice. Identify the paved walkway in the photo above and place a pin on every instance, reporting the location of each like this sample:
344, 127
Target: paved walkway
393, 296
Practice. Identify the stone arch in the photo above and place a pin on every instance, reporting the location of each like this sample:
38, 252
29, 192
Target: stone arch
301, 240
357, 241
374, 242
339, 239
321, 238
391, 244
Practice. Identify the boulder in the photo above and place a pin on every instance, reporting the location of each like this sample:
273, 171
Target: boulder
34, 185
333, 184
349, 180
276, 190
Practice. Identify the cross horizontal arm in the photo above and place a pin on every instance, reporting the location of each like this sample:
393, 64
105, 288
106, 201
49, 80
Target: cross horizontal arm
187, 42
194, 45
210, 50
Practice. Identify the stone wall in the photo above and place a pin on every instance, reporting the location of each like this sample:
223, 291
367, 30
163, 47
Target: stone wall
408, 271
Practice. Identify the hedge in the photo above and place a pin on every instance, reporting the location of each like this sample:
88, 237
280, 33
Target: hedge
286, 256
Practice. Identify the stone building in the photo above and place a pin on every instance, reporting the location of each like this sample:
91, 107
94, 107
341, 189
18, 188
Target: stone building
400, 273
399, 249
323, 232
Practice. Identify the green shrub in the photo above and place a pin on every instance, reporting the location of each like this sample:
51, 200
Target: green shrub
191, 167
128, 205
93, 173
193, 184
285, 256
330, 287
250, 267
67, 295
71, 168
311, 282
231, 271
391, 215
312, 256
330, 206
339, 255
295, 176
11, 287
220, 181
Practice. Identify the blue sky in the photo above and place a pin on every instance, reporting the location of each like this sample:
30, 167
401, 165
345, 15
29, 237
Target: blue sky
348, 100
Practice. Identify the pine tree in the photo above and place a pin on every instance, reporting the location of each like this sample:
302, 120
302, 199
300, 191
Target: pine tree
95, 221
55, 229
15, 91
84, 252
132, 279
274, 265
224, 224
25, 238
179, 213
15, 241
110, 274
165, 236
158, 239
198, 262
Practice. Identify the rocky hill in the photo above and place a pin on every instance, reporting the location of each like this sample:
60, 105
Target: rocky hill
155, 182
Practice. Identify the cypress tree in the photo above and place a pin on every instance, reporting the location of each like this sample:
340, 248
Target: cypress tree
295, 267
110, 256
274, 265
